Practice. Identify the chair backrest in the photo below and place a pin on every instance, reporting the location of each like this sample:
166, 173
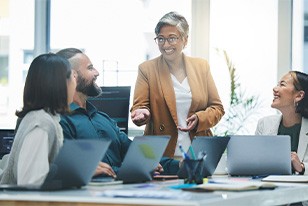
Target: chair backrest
114, 101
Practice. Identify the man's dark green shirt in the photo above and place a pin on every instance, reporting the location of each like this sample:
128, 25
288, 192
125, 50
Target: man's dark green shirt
90, 123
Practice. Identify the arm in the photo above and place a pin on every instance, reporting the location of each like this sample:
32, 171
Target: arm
210, 116
33, 163
170, 166
297, 165
125, 143
104, 168
140, 111
140, 116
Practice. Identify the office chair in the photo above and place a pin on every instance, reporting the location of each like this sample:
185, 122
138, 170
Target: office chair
114, 101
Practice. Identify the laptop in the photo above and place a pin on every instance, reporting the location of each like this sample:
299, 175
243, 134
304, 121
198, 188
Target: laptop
73, 167
6, 141
214, 147
141, 159
259, 155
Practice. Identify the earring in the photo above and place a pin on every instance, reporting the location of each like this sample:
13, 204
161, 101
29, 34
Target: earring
295, 103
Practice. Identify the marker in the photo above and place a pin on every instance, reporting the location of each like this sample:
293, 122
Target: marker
185, 156
202, 155
192, 152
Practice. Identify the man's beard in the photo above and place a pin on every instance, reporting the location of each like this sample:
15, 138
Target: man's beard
91, 90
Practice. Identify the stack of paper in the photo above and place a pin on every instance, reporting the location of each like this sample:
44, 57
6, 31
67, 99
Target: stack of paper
231, 186
286, 178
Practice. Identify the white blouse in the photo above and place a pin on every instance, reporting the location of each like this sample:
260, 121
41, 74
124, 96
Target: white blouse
183, 102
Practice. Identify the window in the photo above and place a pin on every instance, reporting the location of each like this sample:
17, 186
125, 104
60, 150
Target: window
16, 39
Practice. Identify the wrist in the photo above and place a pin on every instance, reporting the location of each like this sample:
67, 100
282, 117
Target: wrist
303, 169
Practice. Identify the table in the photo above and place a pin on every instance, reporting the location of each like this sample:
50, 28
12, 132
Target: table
91, 195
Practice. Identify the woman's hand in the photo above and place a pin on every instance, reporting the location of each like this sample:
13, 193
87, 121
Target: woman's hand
192, 122
296, 163
104, 168
140, 116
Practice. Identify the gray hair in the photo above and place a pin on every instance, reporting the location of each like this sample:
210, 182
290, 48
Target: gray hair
173, 19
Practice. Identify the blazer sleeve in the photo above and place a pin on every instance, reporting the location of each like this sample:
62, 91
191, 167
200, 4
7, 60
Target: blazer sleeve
141, 93
214, 110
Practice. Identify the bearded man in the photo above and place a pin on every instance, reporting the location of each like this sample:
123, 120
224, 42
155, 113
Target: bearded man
86, 122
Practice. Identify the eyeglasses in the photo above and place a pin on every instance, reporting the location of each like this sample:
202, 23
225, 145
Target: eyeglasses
171, 40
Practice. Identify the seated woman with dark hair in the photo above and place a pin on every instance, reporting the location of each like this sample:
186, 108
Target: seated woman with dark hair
48, 91
290, 98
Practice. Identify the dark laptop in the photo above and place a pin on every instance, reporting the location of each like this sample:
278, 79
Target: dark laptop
250, 155
73, 167
6, 141
214, 147
142, 157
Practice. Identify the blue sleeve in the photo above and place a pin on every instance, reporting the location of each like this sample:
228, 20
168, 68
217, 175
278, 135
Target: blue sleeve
170, 166
125, 142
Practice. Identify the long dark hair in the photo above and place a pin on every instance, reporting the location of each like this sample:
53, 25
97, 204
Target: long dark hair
46, 85
301, 83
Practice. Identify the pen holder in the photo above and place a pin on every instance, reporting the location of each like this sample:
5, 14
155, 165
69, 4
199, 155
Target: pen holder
194, 169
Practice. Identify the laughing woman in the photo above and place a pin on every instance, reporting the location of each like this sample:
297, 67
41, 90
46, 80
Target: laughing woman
290, 98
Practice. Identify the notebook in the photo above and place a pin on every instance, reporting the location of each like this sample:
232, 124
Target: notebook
142, 157
214, 147
73, 167
259, 155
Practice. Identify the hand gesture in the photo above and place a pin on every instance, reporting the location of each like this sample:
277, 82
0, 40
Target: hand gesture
192, 122
140, 116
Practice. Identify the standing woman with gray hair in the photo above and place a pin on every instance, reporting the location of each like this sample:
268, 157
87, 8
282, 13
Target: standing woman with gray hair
175, 94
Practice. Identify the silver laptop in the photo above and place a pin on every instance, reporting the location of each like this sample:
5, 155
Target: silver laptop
73, 167
141, 159
259, 155
214, 147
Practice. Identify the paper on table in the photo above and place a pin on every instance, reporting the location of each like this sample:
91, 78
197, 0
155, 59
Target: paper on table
160, 194
238, 186
286, 178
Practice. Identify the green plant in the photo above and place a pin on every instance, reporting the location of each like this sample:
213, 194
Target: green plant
243, 108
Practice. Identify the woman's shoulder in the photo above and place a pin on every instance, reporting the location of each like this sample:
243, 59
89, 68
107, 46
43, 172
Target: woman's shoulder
195, 60
38, 115
271, 118
150, 62
41, 118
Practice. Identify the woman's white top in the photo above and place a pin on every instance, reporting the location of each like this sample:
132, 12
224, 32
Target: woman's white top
33, 161
183, 102
31, 167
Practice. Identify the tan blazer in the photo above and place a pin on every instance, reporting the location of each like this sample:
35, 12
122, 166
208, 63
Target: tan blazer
269, 126
154, 91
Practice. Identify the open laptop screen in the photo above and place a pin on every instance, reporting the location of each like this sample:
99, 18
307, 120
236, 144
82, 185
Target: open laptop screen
6, 141
259, 155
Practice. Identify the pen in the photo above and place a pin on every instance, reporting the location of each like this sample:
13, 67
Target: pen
202, 155
185, 156
192, 152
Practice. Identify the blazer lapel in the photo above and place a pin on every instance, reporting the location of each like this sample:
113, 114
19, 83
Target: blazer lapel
167, 87
303, 139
